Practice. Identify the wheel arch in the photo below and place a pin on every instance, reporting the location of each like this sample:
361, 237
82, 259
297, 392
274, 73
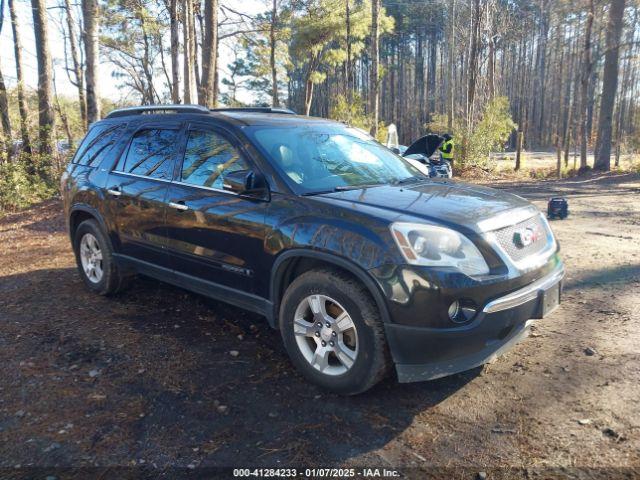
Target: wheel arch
285, 266
81, 212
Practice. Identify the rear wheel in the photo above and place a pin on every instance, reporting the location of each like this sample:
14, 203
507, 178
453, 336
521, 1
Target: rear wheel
94, 257
333, 333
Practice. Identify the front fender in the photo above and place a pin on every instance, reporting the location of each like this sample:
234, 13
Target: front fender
304, 223
279, 267
300, 227
359, 243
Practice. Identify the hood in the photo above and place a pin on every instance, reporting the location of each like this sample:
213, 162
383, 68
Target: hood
442, 201
426, 145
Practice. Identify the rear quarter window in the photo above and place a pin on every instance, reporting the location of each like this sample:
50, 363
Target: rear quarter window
97, 144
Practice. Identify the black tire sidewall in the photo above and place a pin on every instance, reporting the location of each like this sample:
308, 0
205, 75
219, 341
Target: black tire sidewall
90, 226
357, 378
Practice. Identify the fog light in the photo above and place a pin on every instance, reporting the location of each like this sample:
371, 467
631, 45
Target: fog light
454, 309
462, 311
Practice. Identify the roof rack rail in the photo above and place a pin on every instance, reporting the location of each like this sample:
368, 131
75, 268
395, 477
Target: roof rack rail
255, 110
124, 112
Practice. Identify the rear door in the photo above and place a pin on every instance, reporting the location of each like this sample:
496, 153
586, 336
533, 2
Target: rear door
138, 187
214, 235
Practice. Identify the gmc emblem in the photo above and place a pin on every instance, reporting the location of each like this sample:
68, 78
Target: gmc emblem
525, 237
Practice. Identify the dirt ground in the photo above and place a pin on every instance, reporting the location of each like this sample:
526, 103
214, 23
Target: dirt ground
147, 378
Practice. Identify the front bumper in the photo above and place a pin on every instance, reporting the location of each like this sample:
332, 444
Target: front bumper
423, 353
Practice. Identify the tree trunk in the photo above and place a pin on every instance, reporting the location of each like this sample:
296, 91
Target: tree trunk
609, 85
189, 51
349, 65
196, 58
22, 100
46, 117
272, 54
451, 63
216, 73
149, 97
175, 49
473, 62
491, 68
75, 59
308, 96
374, 79
209, 53
519, 139
91, 16
587, 65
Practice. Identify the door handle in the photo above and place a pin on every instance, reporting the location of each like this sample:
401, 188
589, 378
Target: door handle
115, 191
178, 206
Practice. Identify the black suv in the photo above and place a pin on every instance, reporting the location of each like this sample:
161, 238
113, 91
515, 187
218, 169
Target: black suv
357, 258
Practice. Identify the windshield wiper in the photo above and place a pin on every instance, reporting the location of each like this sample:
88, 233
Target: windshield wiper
342, 188
317, 192
405, 181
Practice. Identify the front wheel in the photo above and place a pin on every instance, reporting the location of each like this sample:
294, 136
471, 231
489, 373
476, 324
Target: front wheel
333, 333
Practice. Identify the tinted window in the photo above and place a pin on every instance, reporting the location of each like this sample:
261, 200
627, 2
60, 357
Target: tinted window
151, 153
97, 143
208, 158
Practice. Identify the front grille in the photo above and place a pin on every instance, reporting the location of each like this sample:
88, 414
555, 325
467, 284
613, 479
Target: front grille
508, 238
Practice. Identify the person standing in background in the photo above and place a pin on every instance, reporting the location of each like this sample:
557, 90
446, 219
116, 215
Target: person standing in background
447, 148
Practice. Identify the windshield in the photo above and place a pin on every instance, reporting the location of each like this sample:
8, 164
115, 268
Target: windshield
324, 157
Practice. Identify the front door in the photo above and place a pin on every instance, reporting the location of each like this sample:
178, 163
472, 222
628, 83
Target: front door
138, 188
214, 235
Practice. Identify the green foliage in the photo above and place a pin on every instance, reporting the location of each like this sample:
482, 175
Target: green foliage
350, 113
19, 188
69, 106
488, 135
492, 132
353, 114
132, 32
319, 34
250, 68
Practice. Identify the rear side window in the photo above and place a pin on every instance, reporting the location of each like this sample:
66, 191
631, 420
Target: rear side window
208, 158
97, 143
152, 153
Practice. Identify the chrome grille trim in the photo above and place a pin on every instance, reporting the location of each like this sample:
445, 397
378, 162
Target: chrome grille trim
506, 239
535, 258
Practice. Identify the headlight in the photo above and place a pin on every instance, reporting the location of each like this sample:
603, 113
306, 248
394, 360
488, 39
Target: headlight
438, 246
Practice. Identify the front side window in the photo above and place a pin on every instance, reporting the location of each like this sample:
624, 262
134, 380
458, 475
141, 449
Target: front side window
152, 153
208, 158
325, 157
97, 143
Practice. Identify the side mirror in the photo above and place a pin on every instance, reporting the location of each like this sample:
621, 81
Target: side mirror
246, 182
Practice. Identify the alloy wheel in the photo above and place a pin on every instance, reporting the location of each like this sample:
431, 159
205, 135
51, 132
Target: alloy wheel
91, 257
326, 334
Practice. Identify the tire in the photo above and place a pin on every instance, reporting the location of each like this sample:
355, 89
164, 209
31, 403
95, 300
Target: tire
105, 278
358, 357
